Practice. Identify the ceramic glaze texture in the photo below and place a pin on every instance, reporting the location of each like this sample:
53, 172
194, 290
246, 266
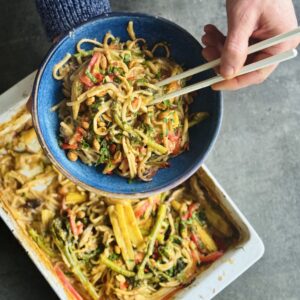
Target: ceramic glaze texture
185, 50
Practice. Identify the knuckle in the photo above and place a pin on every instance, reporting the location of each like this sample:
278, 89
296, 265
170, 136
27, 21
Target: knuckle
235, 46
236, 84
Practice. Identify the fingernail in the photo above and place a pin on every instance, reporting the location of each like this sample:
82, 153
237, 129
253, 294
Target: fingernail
227, 71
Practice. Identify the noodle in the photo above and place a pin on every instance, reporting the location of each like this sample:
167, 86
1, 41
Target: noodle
93, 42
107, 94
59, 71
106, 248
131, 31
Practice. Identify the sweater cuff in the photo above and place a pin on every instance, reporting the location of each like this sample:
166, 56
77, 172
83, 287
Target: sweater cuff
60, 16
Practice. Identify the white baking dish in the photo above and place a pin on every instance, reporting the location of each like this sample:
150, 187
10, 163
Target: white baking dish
236, 261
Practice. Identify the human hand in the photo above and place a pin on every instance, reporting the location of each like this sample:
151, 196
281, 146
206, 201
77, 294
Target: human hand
249, 21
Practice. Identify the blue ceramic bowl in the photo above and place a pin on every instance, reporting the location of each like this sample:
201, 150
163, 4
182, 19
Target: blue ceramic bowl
185, 49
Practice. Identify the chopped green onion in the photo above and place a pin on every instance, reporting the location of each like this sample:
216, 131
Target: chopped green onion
127, 58
110, 70
91, 76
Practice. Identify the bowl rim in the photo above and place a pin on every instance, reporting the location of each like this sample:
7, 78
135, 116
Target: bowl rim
173, 183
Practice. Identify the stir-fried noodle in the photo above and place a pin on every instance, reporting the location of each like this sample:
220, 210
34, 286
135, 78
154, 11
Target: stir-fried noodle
106, 117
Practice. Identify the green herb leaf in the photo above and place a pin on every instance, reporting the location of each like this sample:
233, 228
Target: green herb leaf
85, 145
114, 256
117, 80
176, 239
95, 106
201, 216
104, 154
179, 266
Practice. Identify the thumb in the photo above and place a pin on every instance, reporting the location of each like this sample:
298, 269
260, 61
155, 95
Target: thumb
240, 27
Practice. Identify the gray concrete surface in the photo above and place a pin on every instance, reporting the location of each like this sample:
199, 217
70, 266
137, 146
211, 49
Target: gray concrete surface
256, 157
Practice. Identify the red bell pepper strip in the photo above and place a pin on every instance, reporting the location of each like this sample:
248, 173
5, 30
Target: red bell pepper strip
195, 256
80, 130
86, 81
79, 226
78, 136
173, 137
99, 76
112, 148
141, 209
185, 216
135, 102
87, 77
93, 60
211, 257
62, 277
72, 223
176, 140
124, 285
194, 238
196, 241
191, 209
69, 147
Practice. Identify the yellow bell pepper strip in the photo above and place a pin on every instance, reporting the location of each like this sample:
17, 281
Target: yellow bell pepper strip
125, 234
75, 198
128, 257
134, 231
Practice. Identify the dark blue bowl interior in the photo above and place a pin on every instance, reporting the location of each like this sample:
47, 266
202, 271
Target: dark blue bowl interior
185, 50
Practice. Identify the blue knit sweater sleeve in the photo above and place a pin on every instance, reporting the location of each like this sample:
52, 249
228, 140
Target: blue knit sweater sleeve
60, 16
